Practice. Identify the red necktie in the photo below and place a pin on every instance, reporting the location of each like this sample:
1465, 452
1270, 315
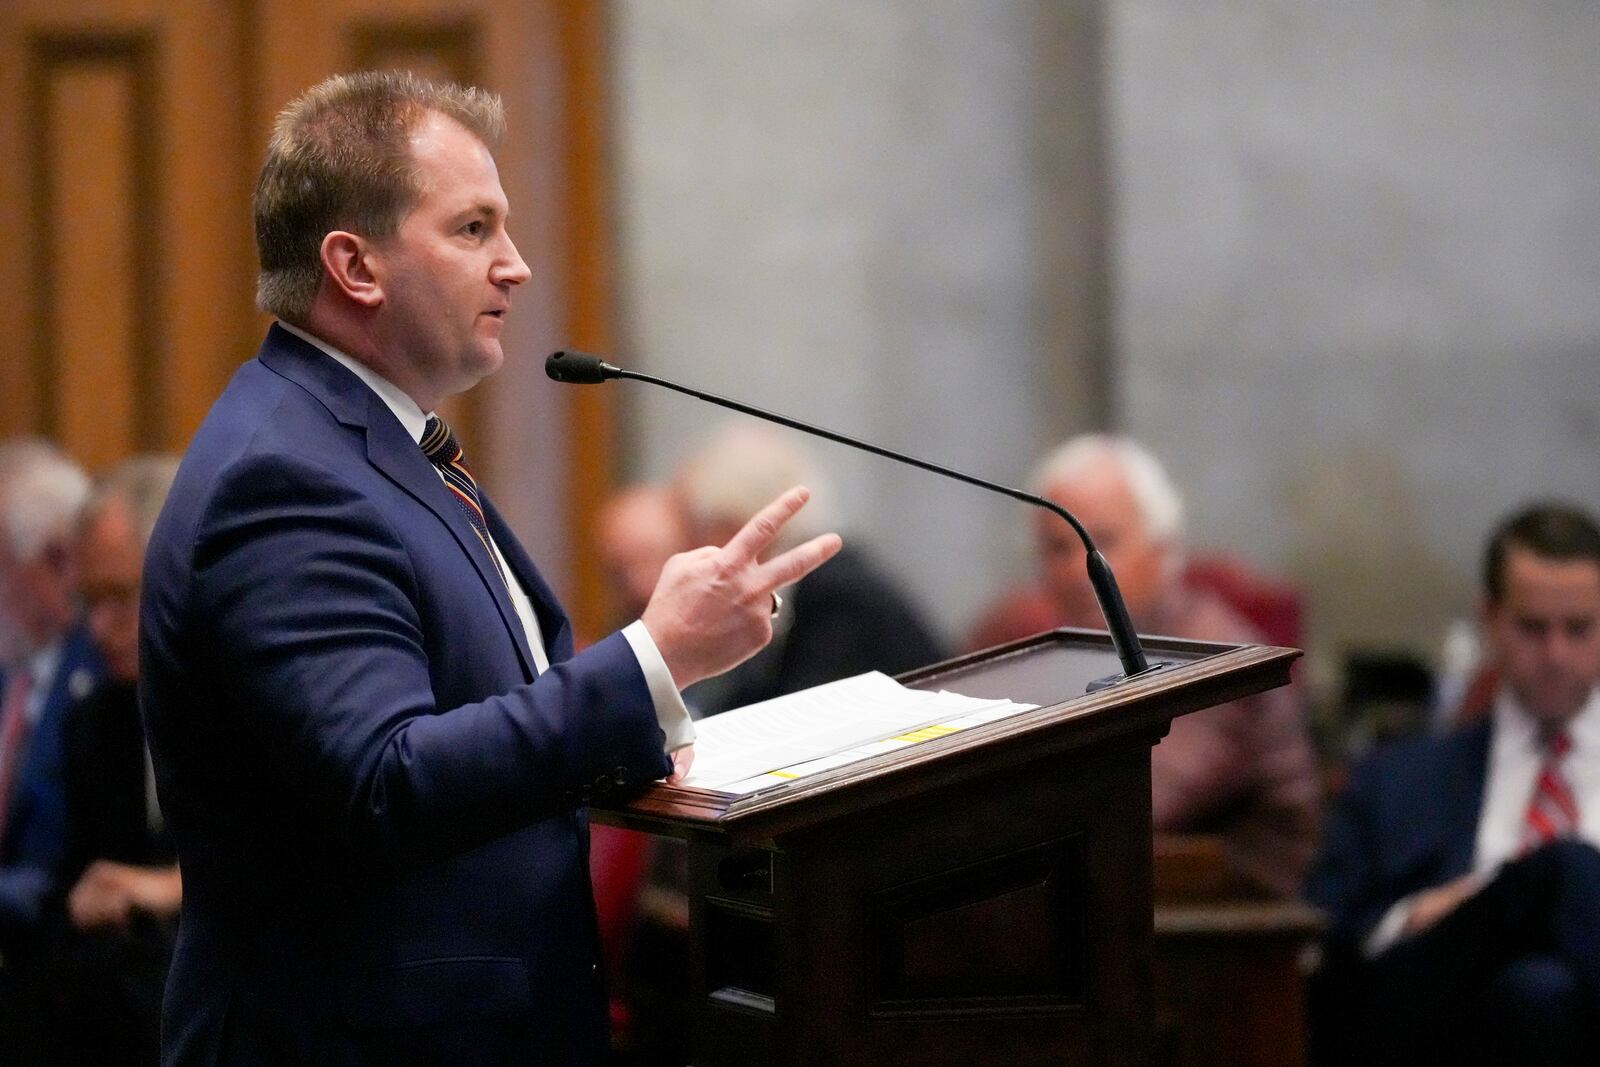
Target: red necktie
440, 446
13, 737
1553, 811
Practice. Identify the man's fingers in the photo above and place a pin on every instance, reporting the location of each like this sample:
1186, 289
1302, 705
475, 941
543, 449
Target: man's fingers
682, 760
758, 533
796, 563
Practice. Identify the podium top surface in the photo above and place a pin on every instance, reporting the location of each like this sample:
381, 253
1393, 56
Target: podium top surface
1052, 669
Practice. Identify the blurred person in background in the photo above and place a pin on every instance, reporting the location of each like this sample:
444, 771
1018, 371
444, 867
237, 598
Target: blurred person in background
101, 972
49, 663
842, 620
1460, 872
1245, 770
640, 527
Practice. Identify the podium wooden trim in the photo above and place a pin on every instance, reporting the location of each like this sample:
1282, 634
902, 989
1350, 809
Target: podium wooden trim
978, 898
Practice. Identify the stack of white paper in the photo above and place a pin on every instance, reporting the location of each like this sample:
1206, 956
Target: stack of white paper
827, 726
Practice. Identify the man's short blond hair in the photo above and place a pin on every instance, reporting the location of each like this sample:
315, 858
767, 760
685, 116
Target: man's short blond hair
340, 159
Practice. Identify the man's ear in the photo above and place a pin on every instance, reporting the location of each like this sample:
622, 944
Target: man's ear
347, 261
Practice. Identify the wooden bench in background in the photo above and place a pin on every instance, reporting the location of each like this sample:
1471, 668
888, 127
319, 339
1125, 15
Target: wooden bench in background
1230, 963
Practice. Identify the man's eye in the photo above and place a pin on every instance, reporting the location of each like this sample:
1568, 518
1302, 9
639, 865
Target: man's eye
474, 228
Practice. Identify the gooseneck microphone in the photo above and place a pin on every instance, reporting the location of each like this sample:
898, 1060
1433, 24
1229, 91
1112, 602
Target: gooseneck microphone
579, 368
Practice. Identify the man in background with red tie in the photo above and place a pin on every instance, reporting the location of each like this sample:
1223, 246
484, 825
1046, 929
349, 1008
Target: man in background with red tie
1460, 872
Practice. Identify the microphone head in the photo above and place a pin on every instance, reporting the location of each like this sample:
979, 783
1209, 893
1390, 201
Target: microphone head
578, 368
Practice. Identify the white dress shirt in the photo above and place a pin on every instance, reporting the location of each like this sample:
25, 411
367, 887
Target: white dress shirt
1516, 757
671, 714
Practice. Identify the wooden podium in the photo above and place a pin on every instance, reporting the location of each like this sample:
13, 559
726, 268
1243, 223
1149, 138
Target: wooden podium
980, 898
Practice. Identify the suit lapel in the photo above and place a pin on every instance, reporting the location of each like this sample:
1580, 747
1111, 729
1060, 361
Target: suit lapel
554, 626
392, 451
1462, 784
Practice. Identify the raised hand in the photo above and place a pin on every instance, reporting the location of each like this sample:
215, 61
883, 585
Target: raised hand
711, 609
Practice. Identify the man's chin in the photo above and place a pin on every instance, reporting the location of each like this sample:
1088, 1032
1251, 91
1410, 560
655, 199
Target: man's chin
475, 368
489, 359
1555, 709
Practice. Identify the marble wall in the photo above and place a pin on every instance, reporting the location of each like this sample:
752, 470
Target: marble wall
1337, 262
841, 211
1358, 282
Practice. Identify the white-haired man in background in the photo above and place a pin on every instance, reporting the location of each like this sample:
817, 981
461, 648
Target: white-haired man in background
49, 662
844, 619
1243, 770
107, 957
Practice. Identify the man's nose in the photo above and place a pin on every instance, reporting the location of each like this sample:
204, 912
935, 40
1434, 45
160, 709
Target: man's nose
511, 270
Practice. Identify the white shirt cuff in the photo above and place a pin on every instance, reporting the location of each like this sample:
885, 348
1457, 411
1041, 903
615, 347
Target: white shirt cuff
1388, 931
671, 713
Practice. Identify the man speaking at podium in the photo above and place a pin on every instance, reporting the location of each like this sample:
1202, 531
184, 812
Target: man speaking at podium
372, 738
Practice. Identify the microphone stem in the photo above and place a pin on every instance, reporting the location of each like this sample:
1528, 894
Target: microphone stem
1118, 624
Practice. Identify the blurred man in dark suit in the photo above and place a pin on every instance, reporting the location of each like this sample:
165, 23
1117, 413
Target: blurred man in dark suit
49, 663
101, 971
1460, 872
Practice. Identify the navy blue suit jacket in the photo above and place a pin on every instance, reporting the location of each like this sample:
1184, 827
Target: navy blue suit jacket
36, 815
375, 805
1408, 821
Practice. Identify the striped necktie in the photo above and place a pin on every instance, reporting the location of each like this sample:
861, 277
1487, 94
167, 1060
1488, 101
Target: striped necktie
440, 446
1553, 811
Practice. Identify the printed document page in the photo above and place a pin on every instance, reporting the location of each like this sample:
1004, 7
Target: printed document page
778, 740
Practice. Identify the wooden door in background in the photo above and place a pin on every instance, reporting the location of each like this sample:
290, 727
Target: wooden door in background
126, 263
131, 143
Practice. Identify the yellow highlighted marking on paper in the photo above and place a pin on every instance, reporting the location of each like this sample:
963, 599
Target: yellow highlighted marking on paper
782, 774
927, 733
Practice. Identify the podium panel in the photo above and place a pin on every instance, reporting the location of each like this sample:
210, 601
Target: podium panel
979, 898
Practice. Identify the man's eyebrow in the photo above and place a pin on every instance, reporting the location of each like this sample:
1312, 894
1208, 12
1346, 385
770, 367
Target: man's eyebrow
482, 209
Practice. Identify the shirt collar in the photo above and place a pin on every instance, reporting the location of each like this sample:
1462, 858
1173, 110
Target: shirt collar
1516, 725
394, 398
42, 664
